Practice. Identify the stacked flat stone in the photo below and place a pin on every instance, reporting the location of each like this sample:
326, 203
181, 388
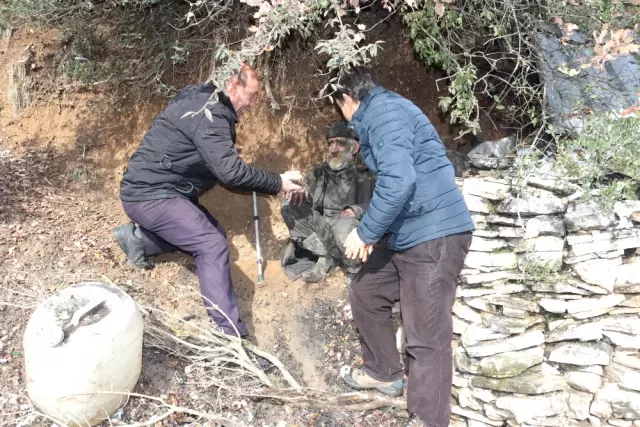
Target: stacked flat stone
546, 317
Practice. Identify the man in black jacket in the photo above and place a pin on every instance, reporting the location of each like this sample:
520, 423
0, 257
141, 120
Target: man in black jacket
179, 158
338, 194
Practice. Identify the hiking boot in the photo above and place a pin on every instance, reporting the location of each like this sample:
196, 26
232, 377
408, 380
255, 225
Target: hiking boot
130, 241
296, 261
319, 271
358, 379
416, 421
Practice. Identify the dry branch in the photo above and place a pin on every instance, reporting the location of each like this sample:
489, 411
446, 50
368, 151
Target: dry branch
30, 414
211, 353
318, 400
175, 409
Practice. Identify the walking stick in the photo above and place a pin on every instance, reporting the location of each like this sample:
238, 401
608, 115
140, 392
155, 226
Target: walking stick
256, 224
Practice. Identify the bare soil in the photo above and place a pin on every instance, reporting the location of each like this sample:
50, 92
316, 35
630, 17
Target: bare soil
60, 164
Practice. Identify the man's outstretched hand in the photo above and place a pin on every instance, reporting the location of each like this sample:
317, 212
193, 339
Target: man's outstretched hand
289, 186
292, 191
356, 248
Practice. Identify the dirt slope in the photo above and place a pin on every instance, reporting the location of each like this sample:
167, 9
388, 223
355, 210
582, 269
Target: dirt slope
60, 164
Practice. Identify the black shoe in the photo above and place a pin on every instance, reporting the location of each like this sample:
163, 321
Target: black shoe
131, 245
289, 255
263, 363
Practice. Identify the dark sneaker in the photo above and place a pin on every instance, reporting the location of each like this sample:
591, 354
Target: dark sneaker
358, 379
131, 245
319, 271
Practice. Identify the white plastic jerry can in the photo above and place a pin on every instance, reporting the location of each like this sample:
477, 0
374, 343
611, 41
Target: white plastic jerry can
83, 353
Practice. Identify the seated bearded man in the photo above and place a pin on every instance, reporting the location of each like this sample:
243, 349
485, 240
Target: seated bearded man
338, 193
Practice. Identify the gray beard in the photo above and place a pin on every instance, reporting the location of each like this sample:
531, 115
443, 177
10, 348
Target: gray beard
340, 161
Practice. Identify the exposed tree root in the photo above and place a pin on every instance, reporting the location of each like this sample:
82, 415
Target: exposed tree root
356, 401
273, 104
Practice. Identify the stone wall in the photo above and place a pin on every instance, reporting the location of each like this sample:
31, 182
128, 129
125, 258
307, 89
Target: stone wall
546, 320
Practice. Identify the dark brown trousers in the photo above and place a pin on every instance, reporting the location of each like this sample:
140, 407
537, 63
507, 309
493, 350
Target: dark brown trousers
424, 280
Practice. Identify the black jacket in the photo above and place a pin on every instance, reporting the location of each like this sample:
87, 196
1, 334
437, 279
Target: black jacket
331, 191
186, 156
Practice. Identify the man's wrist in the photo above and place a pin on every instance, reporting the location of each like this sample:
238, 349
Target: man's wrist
372, 240
362, 238
281, 181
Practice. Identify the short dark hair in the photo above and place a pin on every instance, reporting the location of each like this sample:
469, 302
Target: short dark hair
358, 82
243, 72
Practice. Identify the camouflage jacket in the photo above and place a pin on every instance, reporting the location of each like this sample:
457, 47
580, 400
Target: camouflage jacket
331, 191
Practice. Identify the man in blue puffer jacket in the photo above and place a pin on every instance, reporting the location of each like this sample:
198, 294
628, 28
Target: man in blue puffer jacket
416, 232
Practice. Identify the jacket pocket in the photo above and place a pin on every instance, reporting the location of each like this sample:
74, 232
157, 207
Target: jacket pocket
185, 187
416, 205
175, 167
411, 208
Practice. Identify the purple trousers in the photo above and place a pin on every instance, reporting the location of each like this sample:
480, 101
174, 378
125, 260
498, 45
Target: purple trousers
169, 225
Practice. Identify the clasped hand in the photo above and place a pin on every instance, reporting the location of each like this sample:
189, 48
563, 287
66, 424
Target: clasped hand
347, 213
294, 193
356, 248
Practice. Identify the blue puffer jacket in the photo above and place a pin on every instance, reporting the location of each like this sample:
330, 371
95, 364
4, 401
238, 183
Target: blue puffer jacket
416, 198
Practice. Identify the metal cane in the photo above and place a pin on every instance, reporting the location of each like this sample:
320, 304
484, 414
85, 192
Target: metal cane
256, 220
